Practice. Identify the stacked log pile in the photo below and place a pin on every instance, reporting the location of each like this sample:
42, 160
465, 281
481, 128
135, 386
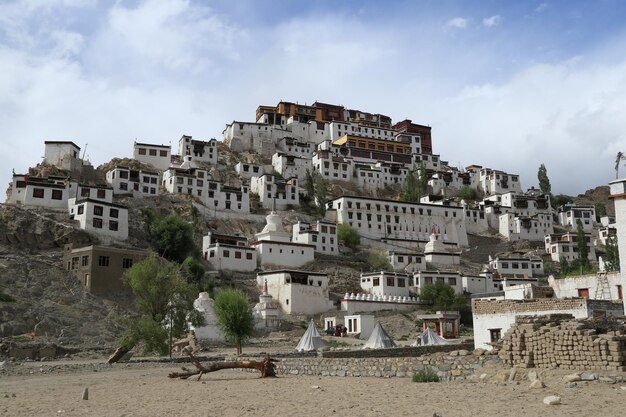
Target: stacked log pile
555, 342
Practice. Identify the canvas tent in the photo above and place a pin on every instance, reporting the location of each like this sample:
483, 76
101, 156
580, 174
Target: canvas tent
430, 338
311, 339
379, 339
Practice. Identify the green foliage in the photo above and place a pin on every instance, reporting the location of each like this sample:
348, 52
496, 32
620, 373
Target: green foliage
349, 236
6, 298
410, 188
378, 261
309, 185
561, 199
163, 298
583, 251
600, 211
564, 265
171, 237
468, 193
193, 269
426, 375
611, 263
442, 297
234, 315
321, 192
544, 181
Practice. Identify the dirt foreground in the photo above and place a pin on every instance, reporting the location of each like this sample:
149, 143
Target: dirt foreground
145, 390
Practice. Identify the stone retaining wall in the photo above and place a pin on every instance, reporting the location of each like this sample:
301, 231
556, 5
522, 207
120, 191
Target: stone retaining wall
395, 352
455, 365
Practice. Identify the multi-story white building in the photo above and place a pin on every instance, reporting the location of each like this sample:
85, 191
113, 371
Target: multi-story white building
569, 214
517, 267
100, 217
139, 183
229, 252
321, 234
383, 283
566, 246
534, 228
159, 156
192, 181
423, 278
332, 167
295, 147
475, 219
276, 193
402, 261
400, 222
247, 170
492, 181
62, 154
291, 166
297, 292
95, 192
50, 192
197, 149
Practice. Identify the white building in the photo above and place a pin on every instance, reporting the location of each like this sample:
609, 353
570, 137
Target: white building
276, 193
138, 183
423, 278
361, 324
159, 156
404, 224
618, 194
410, 262
566, 246
602, 286
606, 232
331, 167
361, 303
62, 154
291, 166
321, 234
49, 192
383, 283
95, 192
229, 252
100, 217
274, 247
475, 220
516, 267
569, 214
493, 317
492, 181
297, 292
198, 150
514, 227
248, 170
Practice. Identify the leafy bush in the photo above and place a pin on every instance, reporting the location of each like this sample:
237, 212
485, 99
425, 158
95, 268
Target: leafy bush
468, 193
378, 261
425, 375
171, 237
349, 236
234, 315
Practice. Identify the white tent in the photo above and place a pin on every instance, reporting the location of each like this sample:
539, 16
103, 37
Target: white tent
429, 338
311, 339
379, 339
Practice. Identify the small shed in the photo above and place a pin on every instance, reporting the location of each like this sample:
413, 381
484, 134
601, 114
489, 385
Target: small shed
444, 323
362, 324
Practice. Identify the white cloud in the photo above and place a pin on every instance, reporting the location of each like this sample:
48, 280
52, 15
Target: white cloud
541, 7
458, 22
492, 21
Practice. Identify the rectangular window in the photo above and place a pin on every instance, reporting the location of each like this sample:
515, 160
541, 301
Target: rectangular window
102, 194
142, 151
103, 260
390, 282
249, 256
452, 281
57, 194
81, 209
97, 210
38, 192
401, 282
163, 154
113, 225
114, 213
153, 152
124, 174
226, 254
127, 263
123, 186
237, 255
97, 223
376, 282
494, 335
75, 262
85, 260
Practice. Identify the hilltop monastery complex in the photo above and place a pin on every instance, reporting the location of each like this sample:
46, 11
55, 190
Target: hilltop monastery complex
369, 157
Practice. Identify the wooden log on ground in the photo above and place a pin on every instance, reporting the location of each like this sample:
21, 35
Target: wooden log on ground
266, 367
118, 354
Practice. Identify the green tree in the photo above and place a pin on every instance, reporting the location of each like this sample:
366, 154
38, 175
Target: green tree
581, 241
612, 254
349, 236
560, 200
378, 261
410, 188
600, 211
164, 301
468, 193
564, 265
544, 181
194, 270
422, 180
309, 185
321, 192
172, 237
442, 297
234, 316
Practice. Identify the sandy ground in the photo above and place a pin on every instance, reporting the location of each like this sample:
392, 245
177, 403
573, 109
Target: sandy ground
145, 390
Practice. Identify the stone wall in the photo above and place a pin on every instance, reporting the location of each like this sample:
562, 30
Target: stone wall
555, 342
455, 365
395, 352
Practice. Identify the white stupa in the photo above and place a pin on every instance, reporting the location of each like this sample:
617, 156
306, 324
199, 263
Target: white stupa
210, 331
273, 230
266, 311
436, 252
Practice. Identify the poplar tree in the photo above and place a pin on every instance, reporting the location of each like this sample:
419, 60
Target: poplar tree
544, 181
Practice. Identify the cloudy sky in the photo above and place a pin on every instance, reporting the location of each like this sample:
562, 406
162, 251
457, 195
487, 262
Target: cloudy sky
504, 84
